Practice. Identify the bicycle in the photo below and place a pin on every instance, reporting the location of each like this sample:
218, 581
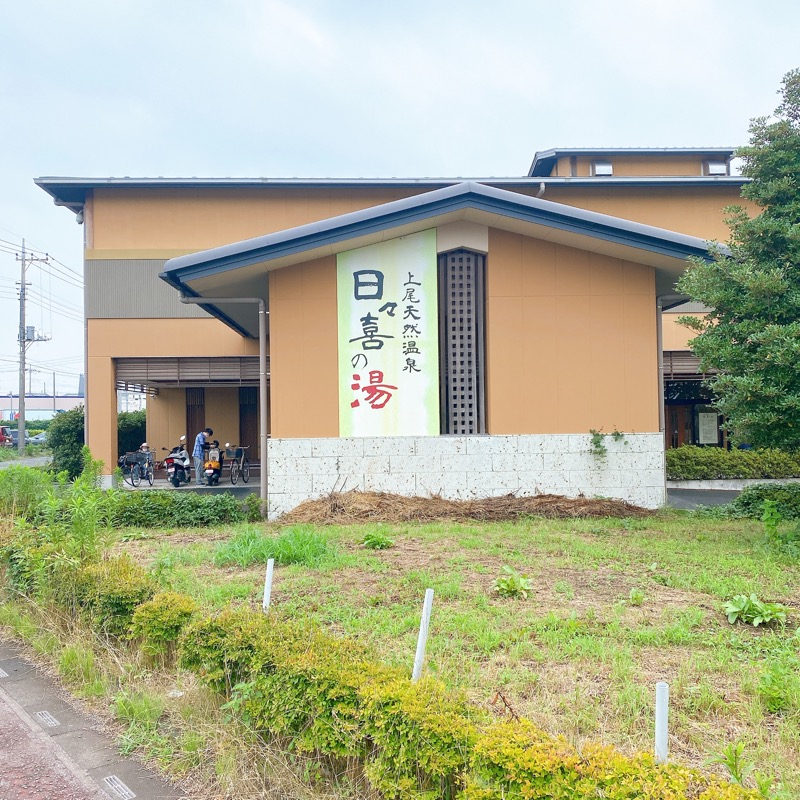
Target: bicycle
136, 466
240, 465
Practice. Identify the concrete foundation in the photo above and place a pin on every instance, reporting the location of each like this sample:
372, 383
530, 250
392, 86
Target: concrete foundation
463, 467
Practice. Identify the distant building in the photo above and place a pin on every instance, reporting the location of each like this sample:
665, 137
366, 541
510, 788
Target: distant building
39, 406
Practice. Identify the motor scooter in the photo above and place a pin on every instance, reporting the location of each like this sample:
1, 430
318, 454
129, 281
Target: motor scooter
177, 463
212, 465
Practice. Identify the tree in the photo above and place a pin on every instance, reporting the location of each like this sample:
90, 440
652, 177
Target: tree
65, 438
131, 426
752, 335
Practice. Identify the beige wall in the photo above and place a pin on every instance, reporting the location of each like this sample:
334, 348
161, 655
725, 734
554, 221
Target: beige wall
628, 166
304, 361
571, 340
166, 420
165, 222
571, 343
696, 211
675, 335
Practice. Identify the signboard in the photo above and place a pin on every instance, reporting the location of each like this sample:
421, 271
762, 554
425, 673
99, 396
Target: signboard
707, 428
389, 338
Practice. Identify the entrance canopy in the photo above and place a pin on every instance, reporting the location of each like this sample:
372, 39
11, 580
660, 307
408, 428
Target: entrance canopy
240, 269
148, 375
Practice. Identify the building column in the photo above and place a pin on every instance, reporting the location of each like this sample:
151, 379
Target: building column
101, 411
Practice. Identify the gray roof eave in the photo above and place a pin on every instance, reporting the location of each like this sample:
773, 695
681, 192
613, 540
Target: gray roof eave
71, 191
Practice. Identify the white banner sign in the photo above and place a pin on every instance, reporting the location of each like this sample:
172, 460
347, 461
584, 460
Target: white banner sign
389, 338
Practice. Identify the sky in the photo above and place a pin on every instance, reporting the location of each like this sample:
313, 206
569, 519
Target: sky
343, 88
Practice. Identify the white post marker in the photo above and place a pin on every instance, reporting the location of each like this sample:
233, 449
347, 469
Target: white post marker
268, 584
662, 714
422, 639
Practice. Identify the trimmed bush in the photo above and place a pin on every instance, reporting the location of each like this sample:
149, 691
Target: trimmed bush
168, 509
111, 591
517, 761
159, 622
418, 741
750, 503
715, 463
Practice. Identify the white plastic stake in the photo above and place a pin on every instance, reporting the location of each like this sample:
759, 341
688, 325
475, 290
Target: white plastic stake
422, 639
662, 713
268, 584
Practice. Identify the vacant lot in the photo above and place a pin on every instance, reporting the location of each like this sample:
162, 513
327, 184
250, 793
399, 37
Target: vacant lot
615, 606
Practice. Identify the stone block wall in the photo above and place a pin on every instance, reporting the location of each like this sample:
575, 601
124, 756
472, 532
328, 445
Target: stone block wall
468, 467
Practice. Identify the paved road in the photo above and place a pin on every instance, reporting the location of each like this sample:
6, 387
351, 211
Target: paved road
28, 461
688, 499
49, 750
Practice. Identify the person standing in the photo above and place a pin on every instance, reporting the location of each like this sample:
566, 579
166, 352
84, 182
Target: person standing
198, 453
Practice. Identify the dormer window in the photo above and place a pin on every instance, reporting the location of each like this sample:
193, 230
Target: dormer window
602, 168
716, 168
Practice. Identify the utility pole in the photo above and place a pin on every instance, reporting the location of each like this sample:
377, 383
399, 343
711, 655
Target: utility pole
26, 337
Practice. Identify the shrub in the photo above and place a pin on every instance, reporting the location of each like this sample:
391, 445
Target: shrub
750, 503
712, 463
169, 509
65, 438
326, 695
111, 591
159, 622
252, 508
515, 760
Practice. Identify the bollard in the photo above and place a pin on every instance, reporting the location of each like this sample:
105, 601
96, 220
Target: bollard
422, 639
268, 584
662, 714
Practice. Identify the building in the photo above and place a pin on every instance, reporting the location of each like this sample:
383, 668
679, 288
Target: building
543, 303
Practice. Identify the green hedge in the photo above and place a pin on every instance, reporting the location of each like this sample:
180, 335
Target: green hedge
422, 741
713, 463
750, 503
163, 508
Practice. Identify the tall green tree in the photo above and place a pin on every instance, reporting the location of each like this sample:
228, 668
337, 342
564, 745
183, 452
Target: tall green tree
752, 335
65, 438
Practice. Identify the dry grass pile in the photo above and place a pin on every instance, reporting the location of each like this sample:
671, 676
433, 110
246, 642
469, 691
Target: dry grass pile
353, 507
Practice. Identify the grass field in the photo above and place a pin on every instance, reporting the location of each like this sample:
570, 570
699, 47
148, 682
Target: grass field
615, 606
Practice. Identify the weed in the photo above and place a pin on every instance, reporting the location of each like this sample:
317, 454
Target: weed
565, 588
636, 597
139, 708
779, 686
297, 545
753, 611
771, 518
597, 446
375, 540
77, 666
512, 584
732, 758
